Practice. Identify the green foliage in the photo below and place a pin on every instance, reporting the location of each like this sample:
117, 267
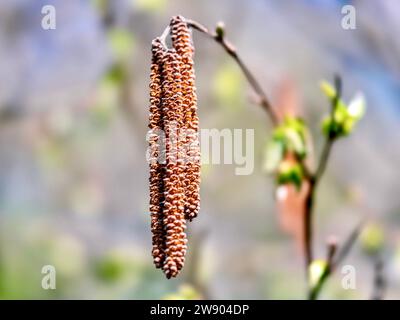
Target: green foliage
290, 172
290, 136
274, 154
328, 89
343, 119
316, 270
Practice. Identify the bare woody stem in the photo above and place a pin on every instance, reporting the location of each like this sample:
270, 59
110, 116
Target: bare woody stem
219, 37
315, 179
334, 259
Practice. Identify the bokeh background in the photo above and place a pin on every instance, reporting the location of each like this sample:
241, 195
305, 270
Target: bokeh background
73, 120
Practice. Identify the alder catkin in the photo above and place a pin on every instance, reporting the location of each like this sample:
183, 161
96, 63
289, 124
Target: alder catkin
175, 183
156, 168
174, 192
181, 41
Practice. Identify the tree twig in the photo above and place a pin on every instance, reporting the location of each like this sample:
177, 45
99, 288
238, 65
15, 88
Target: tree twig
334, 260
315, 179
347, 245
219, 37
331, 137
314, 291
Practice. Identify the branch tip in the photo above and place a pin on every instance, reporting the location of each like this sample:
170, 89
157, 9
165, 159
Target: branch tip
220, 31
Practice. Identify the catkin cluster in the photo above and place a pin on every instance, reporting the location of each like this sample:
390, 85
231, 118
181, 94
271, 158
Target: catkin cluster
174, 169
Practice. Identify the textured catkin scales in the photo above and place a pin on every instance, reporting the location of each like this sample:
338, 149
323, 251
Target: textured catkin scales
156, 168
174, 191
181, 41
175, 183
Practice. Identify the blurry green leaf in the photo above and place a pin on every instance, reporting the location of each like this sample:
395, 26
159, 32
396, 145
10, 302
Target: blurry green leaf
344, 117
328, 89
327, 126
150, 6
332, 128
292, 135
356, 108
274, 155
228, 86
295, 123
121, 43
341, 113
316, 269
289, 172
296, 142
348, 126
342, 125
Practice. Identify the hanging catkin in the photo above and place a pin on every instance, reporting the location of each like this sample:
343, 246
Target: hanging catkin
175, 183
174, 192
181, 41
156, 168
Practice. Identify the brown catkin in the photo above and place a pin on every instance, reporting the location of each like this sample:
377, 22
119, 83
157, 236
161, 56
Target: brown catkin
174, 192
181, 41
175, 183
156, 168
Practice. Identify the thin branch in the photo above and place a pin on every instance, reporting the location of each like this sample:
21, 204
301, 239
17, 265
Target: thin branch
331, 137
347, 245
219, 37
326, 151
334, 260
308, 234
314, 291
314, 180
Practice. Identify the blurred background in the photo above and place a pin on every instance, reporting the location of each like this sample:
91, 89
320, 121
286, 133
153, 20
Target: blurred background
73, 173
